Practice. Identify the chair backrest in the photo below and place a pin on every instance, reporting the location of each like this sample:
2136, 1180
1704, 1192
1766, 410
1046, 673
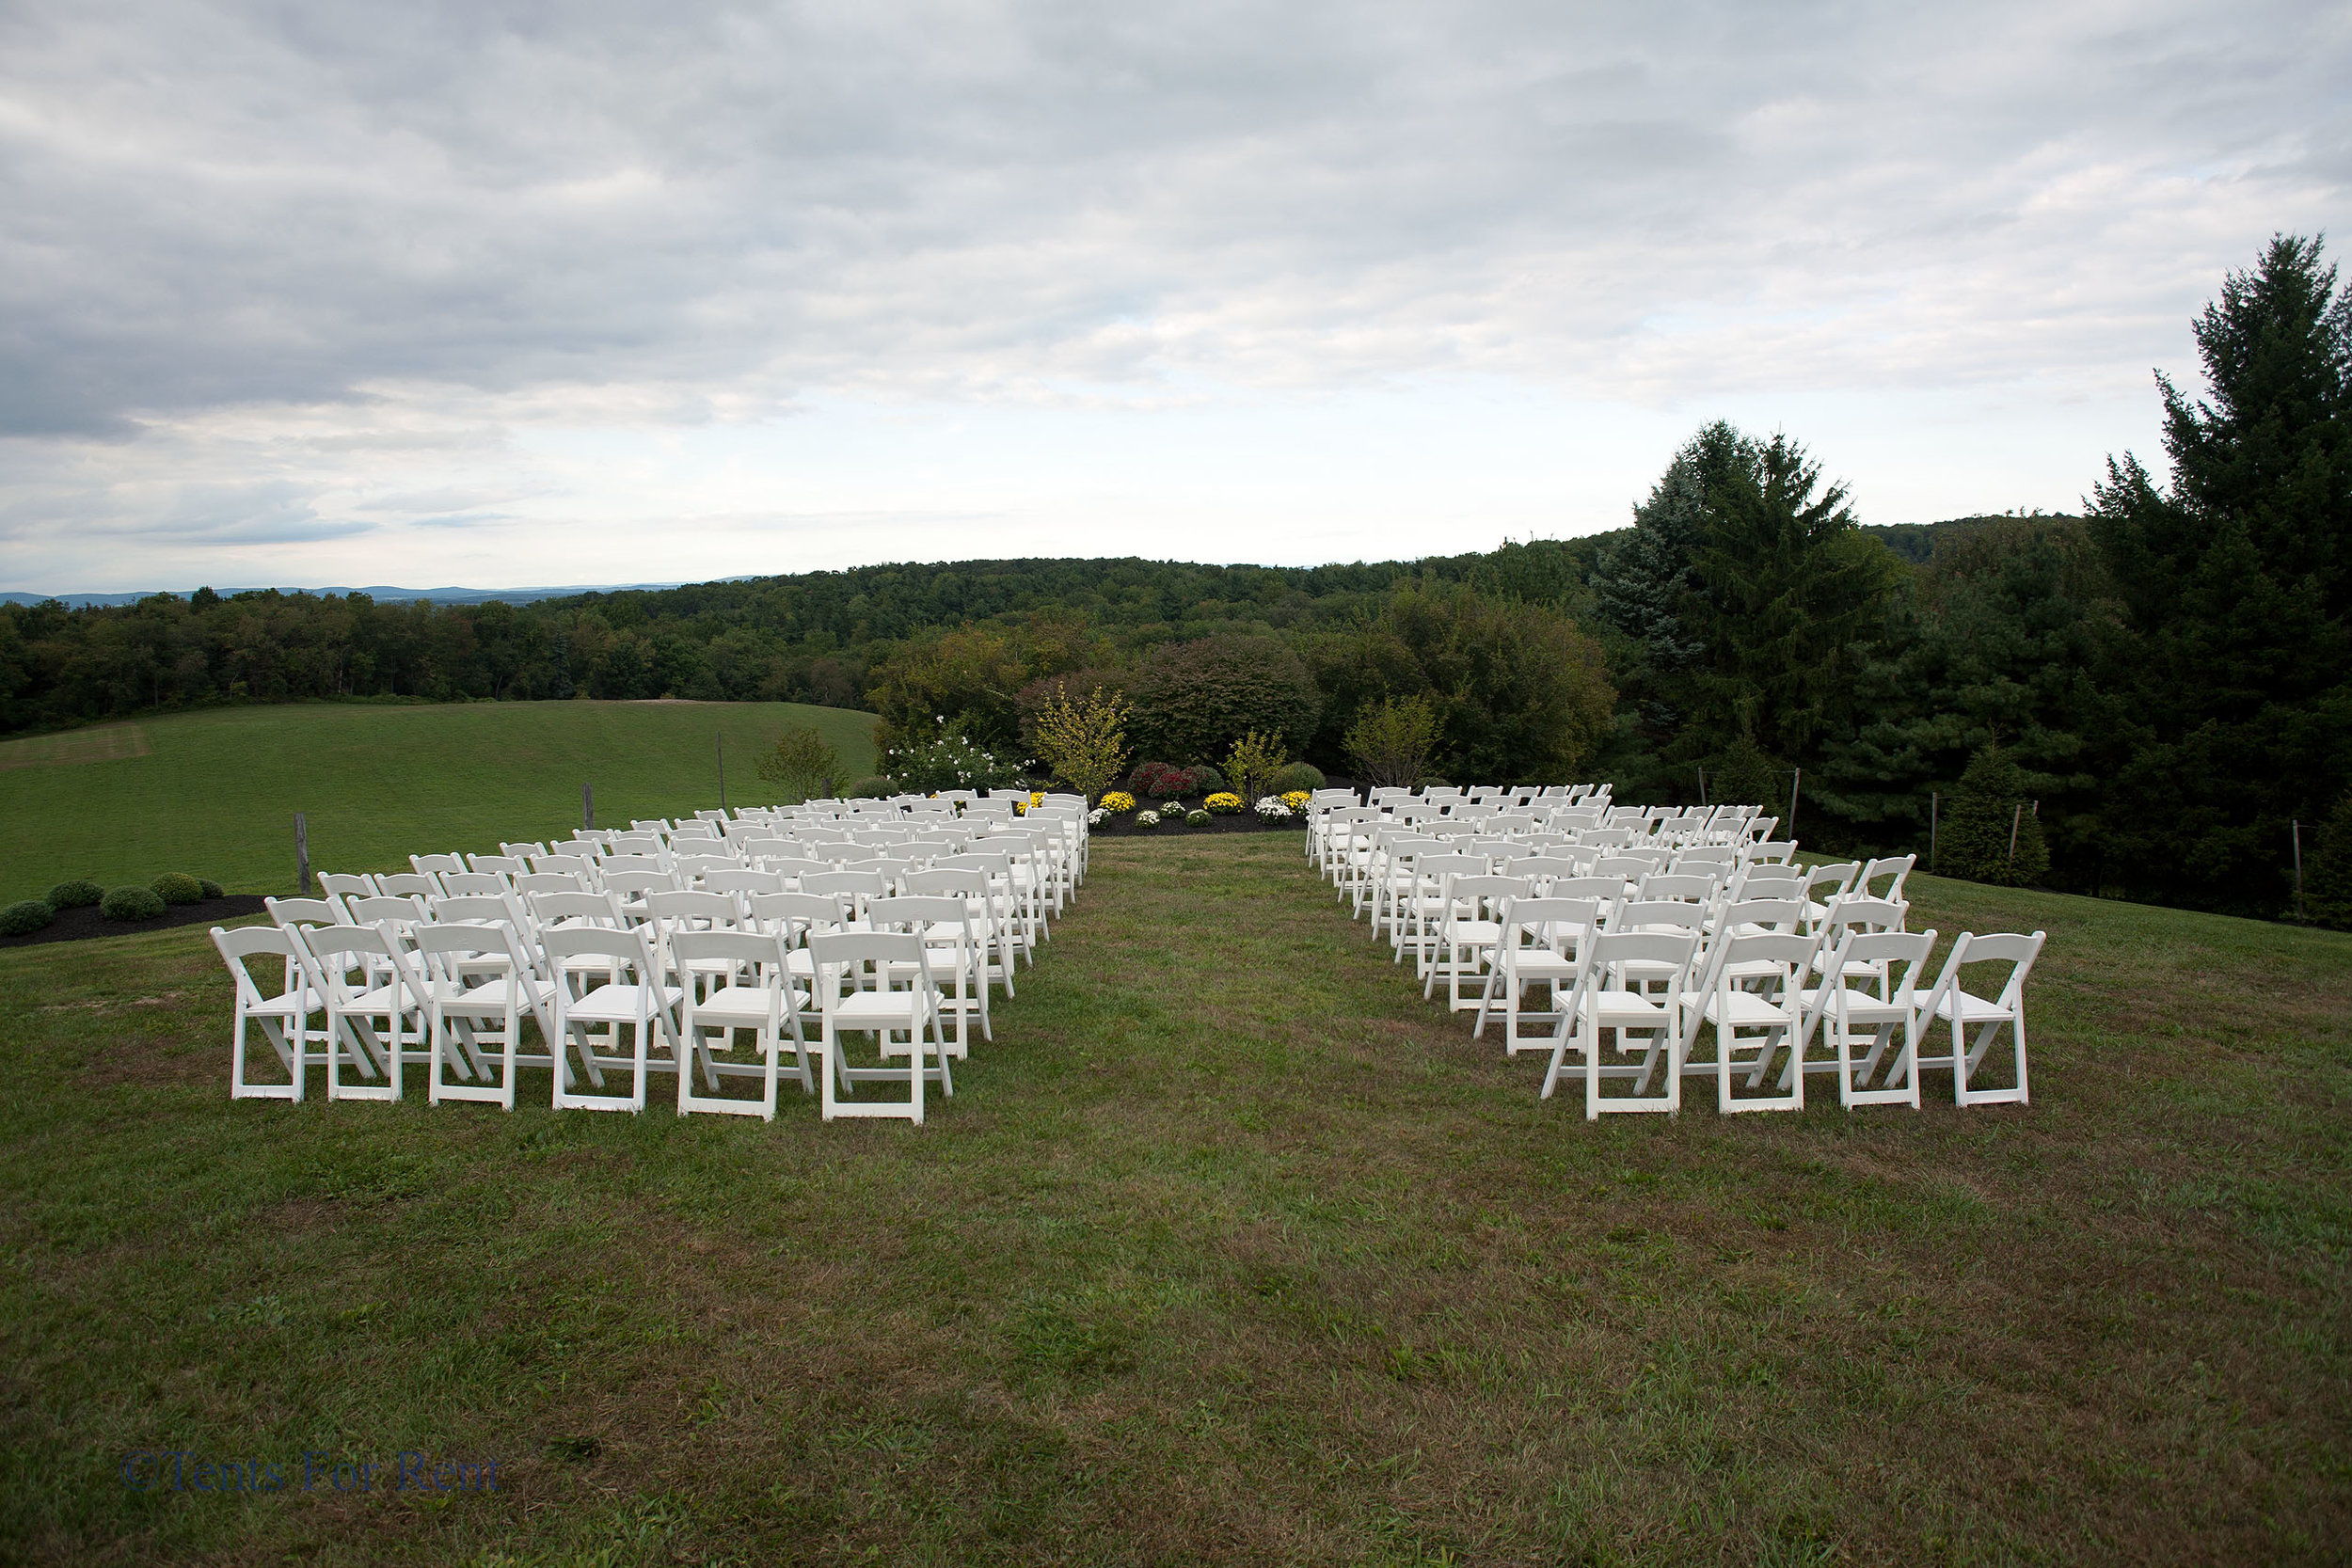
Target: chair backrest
627, 884
2018, 952
879, 956
1792, 953
619, 946
521, 851
1437, 868
469, 884
1541, 868
1484, 891
1783, 914
742, 878
409, 885
1698, 887
509, 866
1895, 866
1903, 954
1867, 914
1631, 867
1639, 914
916, 909
343, 884
1837, 877
472, 909
573, 866
535, 882
385, 908
306, 912
1542, 919
594, 909
790, 914
287, 958
433, 865
621, 865
1601, 957
1610, 891
671, 907
444, 939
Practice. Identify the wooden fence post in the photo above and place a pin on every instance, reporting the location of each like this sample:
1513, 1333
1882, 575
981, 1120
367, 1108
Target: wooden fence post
302, 853
1935, 803
587, 806
723, 775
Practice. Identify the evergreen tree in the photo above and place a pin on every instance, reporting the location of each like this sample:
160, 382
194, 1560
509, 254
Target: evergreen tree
1639, 586
2229, 669
1990, 811
2327, 870
1787, 593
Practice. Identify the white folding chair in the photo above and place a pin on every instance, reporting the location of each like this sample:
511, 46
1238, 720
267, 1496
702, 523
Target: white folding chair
281, 1013
480, 985
1870, 993
1539, 945
1753, 996
641, 1004
386, 990
1964, 1010
1607, 994
879, 983
752, 990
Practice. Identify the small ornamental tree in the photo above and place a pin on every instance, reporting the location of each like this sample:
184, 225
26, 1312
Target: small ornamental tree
1391, 741
1250, 767
1990, 812
1744, 775
1084, 740
803, 764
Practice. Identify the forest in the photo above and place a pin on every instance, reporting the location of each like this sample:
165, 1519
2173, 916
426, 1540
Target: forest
2142, 700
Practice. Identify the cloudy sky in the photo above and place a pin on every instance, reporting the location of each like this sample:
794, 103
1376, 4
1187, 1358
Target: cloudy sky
308, 292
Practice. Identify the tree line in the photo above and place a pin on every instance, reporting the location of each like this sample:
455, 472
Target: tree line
2137, 699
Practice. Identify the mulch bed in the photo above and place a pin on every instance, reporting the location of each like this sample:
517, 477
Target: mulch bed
85, 923
1123, 825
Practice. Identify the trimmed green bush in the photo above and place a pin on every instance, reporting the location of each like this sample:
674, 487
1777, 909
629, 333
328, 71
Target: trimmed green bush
874, 786
177, 887
1990, 810
22, 919
1207, 779
2327, 870
132, 903
80, 893
1295, 775
212, 889
1197, 818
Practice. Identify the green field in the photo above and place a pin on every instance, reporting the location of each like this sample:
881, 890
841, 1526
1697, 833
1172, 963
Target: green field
215, 793
1228, 1249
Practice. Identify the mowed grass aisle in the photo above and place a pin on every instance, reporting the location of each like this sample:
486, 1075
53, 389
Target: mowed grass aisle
213, 793
1226, 1250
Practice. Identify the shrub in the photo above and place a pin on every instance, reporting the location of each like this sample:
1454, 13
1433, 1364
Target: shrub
1159, 781
1118, 801
1392, 742
1147, 820
1191, 700
1991, 810
177, 887
1297, 799
1744, 775
132, 903
21, 919
80, 893
1085, 741
948, 759
1297, 778
1205, 777
1197, 818
801, 763
1222, 803
1273, 809
1253, 760
874, 786
212, 889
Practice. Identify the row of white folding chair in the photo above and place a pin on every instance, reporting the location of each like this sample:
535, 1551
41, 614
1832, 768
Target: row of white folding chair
1631, 974
422, 977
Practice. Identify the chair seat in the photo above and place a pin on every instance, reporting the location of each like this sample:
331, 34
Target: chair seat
1972, 1009
869, 1010
1475, 933
1623, 1008
745, 1006
622, 1004
1741, 1009
490, 997
1540, 966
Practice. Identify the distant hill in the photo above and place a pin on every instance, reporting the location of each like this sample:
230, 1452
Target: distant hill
1915, 542
382, 595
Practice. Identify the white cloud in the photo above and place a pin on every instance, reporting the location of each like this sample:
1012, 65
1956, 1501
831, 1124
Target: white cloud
511, 274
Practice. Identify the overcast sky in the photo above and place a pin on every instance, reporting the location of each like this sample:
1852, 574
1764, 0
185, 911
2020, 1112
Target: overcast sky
499, 295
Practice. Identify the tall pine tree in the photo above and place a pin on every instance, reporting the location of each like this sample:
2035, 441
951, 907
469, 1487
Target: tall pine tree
2230, 663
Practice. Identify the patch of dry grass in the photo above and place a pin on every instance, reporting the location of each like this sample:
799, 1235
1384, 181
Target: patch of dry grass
1228, 1249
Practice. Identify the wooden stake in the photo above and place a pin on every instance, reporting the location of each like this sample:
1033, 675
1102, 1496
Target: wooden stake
2297, 830
1935, 803
723, 775
2015, 823
1795, 779
302, 853
587, 805
1702, 786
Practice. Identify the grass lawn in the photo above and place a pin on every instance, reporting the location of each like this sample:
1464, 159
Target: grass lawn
1228, 1249
215, 793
